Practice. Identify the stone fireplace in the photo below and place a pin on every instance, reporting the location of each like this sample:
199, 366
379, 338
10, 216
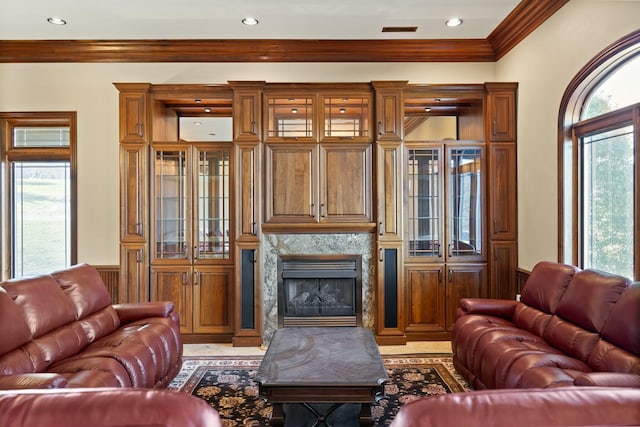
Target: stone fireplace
279, 246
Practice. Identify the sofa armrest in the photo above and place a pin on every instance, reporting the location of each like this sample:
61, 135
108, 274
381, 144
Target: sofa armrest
493, 307
30, 381
135, 311
608, 379
105, 407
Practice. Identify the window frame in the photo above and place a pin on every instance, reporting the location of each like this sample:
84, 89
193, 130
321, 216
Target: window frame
9, 121
571, 129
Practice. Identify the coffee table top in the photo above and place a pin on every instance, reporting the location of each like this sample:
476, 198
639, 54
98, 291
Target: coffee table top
319, 356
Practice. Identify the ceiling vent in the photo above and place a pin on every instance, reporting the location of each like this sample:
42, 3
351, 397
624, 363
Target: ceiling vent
399, 29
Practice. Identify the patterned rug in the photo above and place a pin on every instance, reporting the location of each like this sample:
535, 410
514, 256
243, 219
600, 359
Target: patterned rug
226, 383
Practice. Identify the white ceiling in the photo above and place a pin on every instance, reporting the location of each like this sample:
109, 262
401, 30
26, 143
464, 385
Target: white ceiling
218, 19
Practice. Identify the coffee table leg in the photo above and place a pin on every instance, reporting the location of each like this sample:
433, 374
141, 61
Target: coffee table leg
365, 417
277, 415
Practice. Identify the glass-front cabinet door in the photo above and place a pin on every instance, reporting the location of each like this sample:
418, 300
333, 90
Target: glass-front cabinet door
170, 196
425, 202
290, 118
465, 204
346, 118
445, 207
191, 197
212, 210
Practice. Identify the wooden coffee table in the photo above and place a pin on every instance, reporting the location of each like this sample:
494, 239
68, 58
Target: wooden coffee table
316, 366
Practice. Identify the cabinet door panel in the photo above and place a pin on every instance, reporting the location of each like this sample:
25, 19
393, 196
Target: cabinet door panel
463, 281
133, 286
291, 193
346, 183
389, 115
133, 197
389, 191
504, 261
174, 284
503, 192
213, 300
133, 117
246, 176
502, 116
425, 298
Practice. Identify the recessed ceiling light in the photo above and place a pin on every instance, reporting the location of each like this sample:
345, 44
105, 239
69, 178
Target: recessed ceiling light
207, 110
294, 110
56, 21
427, 109
197, 123
453, 22
342, 111
250, 20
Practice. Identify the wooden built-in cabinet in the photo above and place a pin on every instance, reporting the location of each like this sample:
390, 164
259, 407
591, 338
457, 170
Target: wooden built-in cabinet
429, 170
318, 159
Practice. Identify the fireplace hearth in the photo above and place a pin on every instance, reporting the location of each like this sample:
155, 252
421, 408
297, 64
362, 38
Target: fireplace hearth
319, 290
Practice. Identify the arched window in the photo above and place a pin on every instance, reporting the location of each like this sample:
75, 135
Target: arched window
599, 155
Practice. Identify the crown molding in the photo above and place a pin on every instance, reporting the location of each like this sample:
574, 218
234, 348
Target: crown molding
525, 18
521, 22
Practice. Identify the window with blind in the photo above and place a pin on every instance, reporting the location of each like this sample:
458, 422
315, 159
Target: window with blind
39, 212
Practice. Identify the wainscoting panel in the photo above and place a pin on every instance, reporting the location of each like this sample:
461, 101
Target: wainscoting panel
111, 277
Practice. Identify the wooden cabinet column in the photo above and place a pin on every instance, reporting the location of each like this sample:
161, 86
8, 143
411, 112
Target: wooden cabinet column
247, 137
390, 291
134, 133
501, 126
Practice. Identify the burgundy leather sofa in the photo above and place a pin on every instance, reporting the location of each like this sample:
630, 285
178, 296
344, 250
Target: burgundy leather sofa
60, 330
104, 407
563, 406
571, 327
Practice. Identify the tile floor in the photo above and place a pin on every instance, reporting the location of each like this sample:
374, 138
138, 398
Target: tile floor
228, 350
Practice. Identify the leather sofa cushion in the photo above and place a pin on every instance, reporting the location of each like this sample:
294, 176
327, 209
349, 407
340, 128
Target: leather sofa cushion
44, 305
546, 285
85, 288
570, 339
531, 319
590, 297
623, 326
15, 331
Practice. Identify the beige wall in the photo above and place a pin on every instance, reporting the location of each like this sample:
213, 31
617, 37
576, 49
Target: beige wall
543, 64
88, 89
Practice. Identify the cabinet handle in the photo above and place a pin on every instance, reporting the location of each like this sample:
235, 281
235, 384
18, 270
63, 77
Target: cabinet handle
140, 128
449, 249
439, 275
185, 278
493, 127
450, 276
381, 230
196, 280
139, 256
381, 254
380, 128
313, 209
253, 228
323, 210
196, 252
253, 128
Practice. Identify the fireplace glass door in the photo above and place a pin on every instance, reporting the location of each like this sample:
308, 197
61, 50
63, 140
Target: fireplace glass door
319, 292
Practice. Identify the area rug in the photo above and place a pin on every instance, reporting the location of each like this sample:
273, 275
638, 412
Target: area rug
226, 383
